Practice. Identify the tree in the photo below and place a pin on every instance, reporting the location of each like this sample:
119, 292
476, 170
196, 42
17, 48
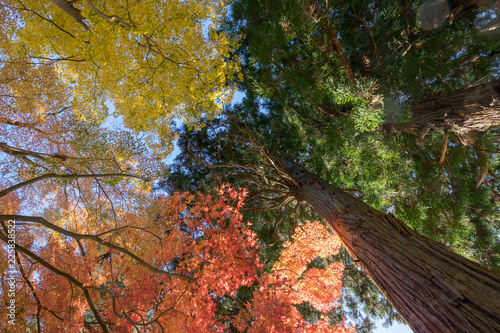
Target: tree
99, 252
377, 61
291, 282
405, 82
153, 61
213, 155
43, 143
314, 98
177, 264
462, 112
432, 287
302, 65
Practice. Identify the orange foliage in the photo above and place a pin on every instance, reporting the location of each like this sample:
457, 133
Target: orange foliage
291, 283
166, 271
164, 264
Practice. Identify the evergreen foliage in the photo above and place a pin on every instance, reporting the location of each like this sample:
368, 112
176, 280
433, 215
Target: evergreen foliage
302, 106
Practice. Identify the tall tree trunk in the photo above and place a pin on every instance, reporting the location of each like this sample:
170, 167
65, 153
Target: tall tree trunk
463, 111
433, 288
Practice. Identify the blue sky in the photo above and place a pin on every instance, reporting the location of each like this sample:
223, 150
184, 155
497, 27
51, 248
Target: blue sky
395, 328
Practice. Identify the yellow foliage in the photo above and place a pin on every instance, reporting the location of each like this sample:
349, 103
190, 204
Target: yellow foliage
155, 60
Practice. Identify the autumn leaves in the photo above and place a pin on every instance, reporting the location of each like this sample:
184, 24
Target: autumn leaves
152, 61
97, 249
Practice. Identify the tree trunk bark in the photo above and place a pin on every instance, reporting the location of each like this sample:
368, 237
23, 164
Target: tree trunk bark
463, 111
433, 288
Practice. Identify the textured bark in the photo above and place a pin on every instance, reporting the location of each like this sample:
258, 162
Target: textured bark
433, 288
463, 111
340, 51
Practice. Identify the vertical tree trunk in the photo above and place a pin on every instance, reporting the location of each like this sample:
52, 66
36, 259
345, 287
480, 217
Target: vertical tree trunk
463, 111
433, 288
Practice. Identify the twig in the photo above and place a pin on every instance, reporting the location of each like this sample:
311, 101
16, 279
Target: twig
445, 145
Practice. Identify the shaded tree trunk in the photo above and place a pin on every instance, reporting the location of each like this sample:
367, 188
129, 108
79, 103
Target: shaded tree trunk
463, 111
433, 288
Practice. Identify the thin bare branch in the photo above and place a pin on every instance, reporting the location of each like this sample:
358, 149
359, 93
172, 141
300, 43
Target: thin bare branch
70, 176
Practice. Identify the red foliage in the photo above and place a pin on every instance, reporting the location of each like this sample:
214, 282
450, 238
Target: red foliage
289, 284
169, 273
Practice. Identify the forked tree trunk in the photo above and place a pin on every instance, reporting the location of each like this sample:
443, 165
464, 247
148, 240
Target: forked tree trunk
463, 111
433, 288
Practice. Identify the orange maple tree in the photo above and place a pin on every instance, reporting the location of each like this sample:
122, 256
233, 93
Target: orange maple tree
290, 283
165, 266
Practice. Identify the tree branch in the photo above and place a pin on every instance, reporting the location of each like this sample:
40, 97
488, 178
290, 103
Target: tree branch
445, 145
57, 271
47, 224
111, 19
338, 48
33, 291
71, 176
45, 19
68, 8
21, 152
370, 30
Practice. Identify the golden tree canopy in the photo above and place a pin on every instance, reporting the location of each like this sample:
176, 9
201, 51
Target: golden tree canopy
154, 60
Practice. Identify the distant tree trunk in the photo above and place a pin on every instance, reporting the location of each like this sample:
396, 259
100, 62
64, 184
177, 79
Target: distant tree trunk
463, 111
433, 288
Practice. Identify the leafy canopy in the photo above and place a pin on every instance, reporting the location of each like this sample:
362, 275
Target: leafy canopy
153, 60
179, 263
